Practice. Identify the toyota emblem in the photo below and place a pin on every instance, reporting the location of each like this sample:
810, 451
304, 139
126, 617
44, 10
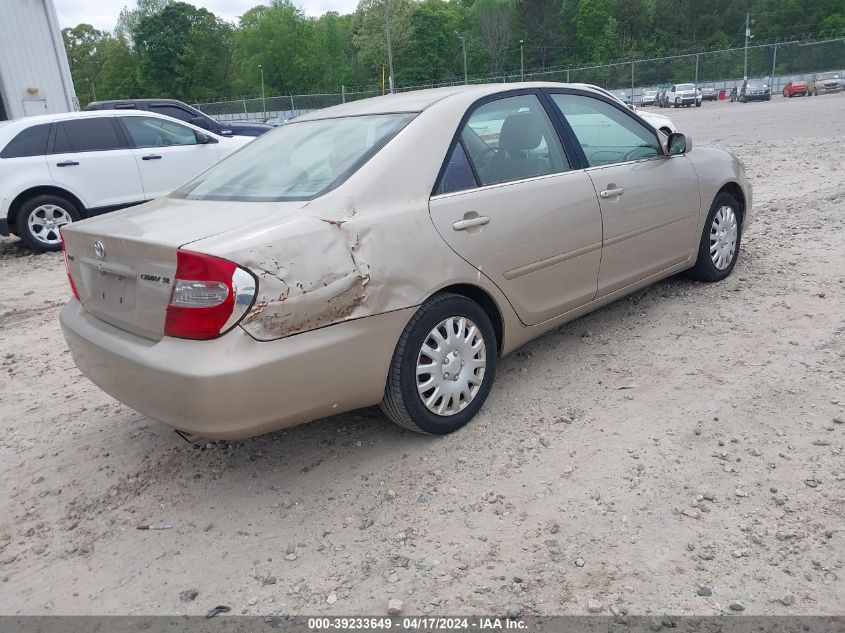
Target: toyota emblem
99, 250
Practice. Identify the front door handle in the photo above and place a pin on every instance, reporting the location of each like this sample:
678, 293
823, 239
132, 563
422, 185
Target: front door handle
463, 225
612, 193
150, 157
67, 163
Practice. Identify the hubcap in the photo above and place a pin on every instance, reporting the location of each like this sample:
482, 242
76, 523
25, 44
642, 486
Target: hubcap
45, 221
723, 235
451, 366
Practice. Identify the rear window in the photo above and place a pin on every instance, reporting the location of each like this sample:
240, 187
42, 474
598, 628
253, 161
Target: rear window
86, 135
828, 76
29, 142
298, 161
682, 87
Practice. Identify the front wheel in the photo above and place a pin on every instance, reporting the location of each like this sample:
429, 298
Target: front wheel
443, 366
718, 248
41, 218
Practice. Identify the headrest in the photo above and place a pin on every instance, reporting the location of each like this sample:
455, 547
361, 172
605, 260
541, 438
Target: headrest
520, 132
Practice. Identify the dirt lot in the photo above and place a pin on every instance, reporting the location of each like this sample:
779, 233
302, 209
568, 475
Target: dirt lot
679, 451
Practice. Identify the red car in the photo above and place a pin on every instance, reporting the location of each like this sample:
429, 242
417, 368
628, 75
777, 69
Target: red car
795, 88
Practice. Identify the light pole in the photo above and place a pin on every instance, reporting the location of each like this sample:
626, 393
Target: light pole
263, 102
522, 60
464, 46
389, 44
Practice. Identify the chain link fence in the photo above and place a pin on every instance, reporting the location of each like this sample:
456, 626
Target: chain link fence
779, 62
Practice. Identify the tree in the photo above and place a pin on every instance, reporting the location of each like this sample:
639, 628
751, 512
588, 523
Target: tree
495, 23
184, 53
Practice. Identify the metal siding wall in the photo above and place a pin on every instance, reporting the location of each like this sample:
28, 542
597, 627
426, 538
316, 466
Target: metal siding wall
28, 57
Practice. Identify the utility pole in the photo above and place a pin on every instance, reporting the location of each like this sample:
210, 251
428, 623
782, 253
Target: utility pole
748, 36
464, 46
263, 102
389, 43
522, 60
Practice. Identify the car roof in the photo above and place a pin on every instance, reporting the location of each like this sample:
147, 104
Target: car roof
110, 101
419, 100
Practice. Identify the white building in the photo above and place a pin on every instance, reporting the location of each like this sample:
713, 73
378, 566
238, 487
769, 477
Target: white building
34, 71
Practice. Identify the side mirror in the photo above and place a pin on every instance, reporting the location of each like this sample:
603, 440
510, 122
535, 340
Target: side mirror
678, 144
199, 121
205, 139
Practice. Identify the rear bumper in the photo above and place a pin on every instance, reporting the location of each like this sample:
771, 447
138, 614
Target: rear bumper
235, 386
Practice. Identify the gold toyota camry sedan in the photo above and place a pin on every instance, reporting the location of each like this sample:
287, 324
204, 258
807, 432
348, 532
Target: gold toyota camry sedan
389, 251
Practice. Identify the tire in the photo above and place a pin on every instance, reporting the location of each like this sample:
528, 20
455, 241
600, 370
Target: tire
49, 212
403, 402
698, 104
706, 268
785, 96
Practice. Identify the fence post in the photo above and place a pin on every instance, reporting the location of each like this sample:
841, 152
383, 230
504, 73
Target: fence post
774, 61
292, 108
696, 70
343, 94
567, 75
244, 100
632, 82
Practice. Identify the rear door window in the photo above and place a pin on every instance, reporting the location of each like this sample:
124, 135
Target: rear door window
86, 135
172, 111
512, 138
29, 142
147, 131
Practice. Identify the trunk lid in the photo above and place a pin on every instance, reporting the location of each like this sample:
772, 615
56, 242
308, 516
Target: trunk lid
124, 263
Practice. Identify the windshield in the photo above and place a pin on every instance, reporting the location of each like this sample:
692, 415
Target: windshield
757, 84
828, 76
298, 161
683, 87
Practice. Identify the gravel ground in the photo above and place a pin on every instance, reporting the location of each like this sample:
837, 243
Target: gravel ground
679, 451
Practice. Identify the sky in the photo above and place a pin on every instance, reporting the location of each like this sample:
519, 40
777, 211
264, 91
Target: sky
102, 14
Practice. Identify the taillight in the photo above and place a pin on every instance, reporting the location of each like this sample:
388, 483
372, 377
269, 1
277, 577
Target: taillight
210, 295
67, 268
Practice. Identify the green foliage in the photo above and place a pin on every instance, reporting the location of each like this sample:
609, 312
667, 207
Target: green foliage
166, 48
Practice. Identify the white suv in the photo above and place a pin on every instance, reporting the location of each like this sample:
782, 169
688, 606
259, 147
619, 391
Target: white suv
56, 169
683, 95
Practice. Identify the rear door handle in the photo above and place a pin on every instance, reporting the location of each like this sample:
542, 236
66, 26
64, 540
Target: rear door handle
67, 163
463, 225
150, 157
612, 193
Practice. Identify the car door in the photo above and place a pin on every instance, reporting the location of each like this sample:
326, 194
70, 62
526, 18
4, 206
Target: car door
509, 202
650, 202
167, 153
90, 159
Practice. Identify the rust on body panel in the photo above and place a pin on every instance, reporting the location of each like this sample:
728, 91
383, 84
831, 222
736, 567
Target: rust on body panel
312, 281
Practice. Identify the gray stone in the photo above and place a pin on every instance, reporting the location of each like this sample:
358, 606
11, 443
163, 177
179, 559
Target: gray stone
594, 606
736, 605
189, 595
703, 591
394, 606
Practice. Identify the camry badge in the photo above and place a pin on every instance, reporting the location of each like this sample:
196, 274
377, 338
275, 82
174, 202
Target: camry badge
99, 250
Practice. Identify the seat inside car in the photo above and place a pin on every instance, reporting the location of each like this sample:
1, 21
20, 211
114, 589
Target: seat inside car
521, 134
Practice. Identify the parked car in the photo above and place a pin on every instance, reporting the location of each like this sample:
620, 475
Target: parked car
683, 95
369, 253
753, 90
825, 83
56, 169
276, 121
184, 112
648, 97
709, 93
623, 96
795, 88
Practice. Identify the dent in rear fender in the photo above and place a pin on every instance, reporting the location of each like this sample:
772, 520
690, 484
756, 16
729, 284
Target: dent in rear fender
310, 280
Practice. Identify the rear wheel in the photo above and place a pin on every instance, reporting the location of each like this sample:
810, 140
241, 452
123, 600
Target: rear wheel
443, 367
718, 248
41, 218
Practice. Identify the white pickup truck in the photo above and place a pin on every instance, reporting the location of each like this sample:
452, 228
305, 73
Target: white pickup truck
683, 95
